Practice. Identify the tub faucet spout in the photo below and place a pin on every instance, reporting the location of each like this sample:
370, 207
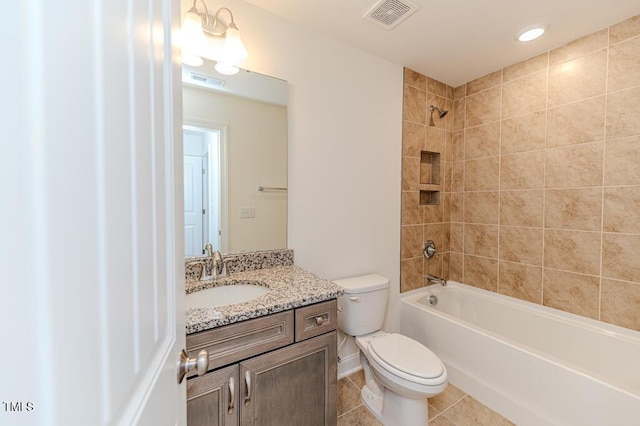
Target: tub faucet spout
436, 280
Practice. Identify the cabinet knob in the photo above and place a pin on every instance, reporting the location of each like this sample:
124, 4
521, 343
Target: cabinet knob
186, 364
320, 320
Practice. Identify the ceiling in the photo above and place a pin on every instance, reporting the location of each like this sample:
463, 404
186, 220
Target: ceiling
456, 41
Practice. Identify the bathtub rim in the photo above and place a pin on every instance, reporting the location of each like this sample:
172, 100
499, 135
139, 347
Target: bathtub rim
628, 335
547, 311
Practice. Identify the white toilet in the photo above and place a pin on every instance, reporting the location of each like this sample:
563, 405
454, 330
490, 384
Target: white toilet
400, 373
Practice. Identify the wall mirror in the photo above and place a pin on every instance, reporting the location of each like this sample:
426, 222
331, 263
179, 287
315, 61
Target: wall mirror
235, 160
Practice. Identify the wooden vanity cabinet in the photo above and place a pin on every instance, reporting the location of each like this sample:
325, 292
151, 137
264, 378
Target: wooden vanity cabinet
212, 399
295, 384
291, 386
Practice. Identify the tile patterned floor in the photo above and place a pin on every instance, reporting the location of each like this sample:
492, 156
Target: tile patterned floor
453, 407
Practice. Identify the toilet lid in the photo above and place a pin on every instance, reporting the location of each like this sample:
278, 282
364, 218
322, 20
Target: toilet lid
407, 356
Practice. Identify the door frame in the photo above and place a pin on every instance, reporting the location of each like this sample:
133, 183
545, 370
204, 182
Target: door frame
223, 177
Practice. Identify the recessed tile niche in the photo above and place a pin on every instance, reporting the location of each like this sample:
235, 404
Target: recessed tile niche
429, 175
428, 198
430, 167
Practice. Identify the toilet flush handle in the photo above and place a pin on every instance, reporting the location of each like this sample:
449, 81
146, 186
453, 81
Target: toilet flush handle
354, 299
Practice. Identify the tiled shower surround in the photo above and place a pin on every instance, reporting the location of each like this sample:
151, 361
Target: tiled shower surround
540, 178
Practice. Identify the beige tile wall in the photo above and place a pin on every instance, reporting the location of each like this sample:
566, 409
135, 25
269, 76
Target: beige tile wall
424, 222
542, 179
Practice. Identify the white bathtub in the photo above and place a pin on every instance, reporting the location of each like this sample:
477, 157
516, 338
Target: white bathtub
532, 364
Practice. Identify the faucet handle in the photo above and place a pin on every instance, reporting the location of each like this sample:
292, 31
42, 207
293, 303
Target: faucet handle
228, 260
201, 268
209, 249
429, 249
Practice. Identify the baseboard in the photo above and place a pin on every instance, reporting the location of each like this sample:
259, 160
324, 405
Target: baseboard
349, 365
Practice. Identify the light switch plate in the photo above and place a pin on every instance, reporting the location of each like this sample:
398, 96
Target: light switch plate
247, 212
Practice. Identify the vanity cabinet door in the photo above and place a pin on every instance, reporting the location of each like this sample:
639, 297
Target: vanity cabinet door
212, 399
296, 385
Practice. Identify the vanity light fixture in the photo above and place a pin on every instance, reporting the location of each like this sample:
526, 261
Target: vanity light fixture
531, 32
207, 36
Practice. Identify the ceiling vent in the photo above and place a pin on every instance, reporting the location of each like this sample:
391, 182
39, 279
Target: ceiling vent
389, 13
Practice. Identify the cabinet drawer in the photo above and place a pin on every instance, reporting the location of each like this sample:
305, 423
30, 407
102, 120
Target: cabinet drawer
236, 342
316, 319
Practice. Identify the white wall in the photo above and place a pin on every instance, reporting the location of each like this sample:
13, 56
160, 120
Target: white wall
345, 134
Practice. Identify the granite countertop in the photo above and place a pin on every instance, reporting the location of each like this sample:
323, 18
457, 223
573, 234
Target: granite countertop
290, 287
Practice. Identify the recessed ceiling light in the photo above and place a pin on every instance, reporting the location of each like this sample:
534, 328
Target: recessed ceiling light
531, 33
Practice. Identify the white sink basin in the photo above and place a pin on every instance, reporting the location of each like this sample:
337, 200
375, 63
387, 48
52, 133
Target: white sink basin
225, 295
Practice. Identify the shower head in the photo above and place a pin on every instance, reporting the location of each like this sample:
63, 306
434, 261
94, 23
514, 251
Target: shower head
441, 113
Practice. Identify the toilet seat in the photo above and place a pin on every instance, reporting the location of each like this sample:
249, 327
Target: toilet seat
407, 359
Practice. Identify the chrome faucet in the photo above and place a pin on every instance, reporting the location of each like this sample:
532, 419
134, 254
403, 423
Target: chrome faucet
215, 261
435, 279
218, 263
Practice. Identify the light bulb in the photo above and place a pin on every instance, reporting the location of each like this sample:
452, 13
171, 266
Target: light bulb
226, 68
233, 49
192, 35
531, 33
191, 59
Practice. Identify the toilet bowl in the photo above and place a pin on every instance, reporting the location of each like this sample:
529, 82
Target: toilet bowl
404, 365
400, 373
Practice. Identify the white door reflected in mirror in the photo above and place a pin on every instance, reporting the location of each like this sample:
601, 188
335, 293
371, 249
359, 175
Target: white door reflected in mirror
203, 189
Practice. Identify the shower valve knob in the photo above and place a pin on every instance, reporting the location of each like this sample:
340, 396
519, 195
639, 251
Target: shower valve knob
429, 249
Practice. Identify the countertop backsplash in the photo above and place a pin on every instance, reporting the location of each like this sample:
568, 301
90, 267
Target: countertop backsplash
243, 262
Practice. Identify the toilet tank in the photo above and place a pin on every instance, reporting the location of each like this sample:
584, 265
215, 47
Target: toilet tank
362, 307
